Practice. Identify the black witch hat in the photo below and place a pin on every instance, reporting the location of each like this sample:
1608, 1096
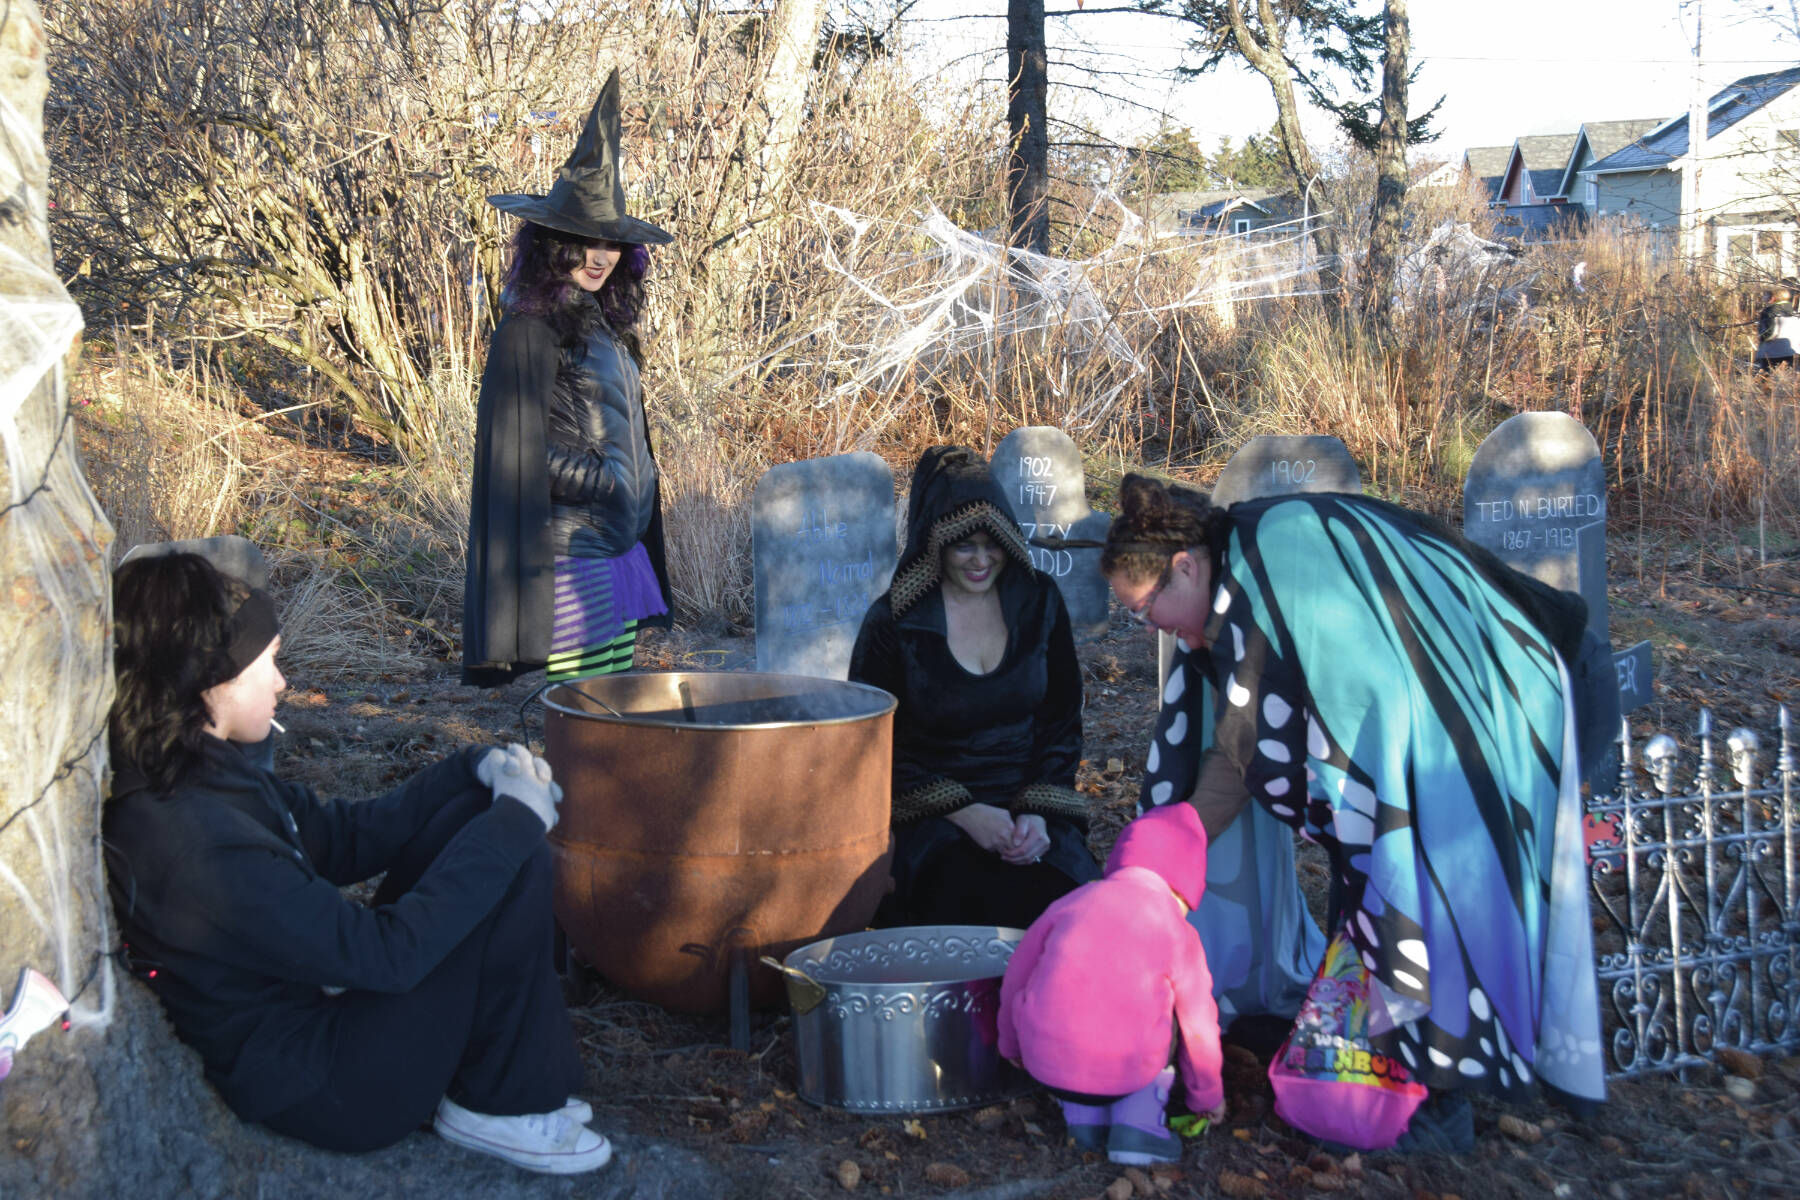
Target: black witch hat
588, 197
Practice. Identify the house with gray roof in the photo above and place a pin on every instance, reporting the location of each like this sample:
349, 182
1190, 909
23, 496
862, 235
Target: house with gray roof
1534, 169
1749, 175
1594, 141
1485, 167
1222, 211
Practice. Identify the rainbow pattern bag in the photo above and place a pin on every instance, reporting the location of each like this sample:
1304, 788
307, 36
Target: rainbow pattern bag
1328, 1080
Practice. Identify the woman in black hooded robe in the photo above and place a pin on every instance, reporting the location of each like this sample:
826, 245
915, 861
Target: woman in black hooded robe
976, 645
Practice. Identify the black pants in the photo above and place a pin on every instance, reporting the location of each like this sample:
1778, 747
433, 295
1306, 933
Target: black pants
487, 1028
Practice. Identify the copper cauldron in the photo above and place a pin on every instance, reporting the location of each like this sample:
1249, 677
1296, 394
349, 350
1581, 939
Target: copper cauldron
711, 818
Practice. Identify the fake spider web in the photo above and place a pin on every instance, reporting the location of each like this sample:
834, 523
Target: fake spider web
929, 301
53, 688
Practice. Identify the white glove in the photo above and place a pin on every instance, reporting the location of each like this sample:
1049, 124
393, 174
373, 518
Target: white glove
516, 772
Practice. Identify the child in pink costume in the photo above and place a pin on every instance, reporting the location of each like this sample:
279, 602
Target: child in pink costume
1110, 981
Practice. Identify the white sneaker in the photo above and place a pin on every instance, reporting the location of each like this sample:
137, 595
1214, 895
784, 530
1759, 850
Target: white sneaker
578, 1111
548, 1142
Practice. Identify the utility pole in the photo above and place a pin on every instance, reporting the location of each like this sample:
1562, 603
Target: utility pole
1693, 231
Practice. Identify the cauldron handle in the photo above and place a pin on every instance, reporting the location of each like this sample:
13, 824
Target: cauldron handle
804, 992
525, 724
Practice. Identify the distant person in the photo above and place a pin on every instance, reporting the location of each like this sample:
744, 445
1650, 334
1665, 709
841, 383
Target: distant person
1777, 331
977, 647
565, 559
1110, 986
1404, 699
342, 1024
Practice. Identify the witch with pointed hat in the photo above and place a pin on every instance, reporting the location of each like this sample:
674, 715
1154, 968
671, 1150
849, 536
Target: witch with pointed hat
565, 557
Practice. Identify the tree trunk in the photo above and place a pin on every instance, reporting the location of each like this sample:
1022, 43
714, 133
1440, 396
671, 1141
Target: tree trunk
1390, 165
111, 1105
55, 673
1269, 59
768, 132
1028, 161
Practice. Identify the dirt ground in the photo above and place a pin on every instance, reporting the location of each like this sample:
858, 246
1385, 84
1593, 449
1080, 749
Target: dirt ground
1726, 634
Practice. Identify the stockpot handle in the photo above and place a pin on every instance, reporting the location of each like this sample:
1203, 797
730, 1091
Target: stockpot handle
804, 992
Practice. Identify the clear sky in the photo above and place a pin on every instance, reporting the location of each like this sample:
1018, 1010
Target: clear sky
1506, 69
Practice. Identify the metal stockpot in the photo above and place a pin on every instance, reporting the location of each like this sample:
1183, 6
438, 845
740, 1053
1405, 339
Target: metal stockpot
902, 1020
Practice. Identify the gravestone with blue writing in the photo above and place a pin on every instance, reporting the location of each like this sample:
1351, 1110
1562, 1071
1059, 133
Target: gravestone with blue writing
1039, 468
822, 549
1286, 464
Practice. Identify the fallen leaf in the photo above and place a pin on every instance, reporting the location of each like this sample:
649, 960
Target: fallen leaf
1518, 1130
849, 1175
1241, 1187
1741, 1064
913, 1129
946, 1175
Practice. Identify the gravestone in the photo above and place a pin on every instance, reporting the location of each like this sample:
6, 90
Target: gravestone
1536, 496
1039, 468
1286, 464
238, 557
822, 549
1634, 670
1276, 465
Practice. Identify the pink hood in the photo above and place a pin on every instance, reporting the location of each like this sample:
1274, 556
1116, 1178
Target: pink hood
1169, 841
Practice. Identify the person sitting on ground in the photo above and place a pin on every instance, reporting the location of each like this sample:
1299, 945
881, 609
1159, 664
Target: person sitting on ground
1777, 331
977, 647
341, 1024
1110, 984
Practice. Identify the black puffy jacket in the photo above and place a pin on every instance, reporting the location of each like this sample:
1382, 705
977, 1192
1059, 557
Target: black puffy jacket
602, 478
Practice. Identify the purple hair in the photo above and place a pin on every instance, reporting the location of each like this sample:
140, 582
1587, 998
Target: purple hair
539, 283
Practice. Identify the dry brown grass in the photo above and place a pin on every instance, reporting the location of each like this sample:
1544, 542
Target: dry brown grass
824, 308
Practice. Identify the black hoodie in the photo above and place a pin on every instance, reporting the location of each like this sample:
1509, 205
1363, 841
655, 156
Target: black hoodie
226, 887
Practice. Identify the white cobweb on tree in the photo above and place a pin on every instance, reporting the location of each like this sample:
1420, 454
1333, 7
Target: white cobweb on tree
927, 302
54, 688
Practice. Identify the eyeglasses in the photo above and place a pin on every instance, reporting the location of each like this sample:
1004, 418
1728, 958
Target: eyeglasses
1141, 614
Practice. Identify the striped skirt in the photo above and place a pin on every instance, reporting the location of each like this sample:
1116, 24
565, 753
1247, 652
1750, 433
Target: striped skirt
599, 602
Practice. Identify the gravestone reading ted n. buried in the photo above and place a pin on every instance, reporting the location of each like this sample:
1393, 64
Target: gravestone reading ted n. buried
1039, 468
1286, 464
822, 548
1536, 496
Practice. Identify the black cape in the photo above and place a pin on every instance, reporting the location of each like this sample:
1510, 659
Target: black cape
509, 589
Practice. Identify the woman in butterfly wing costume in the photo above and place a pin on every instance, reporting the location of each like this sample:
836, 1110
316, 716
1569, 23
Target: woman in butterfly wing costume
1397, 695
